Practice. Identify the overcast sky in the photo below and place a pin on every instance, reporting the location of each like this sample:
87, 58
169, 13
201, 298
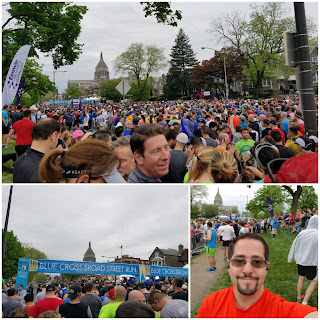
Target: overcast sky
61, 220
110, 27
236, 194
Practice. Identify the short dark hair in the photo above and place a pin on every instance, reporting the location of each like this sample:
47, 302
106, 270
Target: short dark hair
141, 285
142, 134
134, 309
26, 113
294, 129
101, 135
11, 292
209, 224
276, 136
44, 128
250, 236
88, 286
155, 295
28, 297
244, 129
170, 134
205, 129
178, 282
118, 131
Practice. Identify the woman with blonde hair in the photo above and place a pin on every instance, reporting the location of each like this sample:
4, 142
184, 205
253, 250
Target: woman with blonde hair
200, 171
88, 161
224, 168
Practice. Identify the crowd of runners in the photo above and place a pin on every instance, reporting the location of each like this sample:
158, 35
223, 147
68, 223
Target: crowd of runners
206, 233
197, 141
109, 299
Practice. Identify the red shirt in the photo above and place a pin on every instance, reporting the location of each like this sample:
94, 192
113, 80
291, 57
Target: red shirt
283, 136
46, 305
291, 218
221, 304
31, 312
23, 128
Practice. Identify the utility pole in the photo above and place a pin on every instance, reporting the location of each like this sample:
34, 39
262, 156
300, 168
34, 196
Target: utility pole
306, 102
4, 236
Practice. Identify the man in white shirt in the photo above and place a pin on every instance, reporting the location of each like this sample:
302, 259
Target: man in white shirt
228, 235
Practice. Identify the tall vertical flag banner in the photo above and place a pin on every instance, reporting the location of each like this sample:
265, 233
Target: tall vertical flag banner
14, 75
80, 108
19, 94
270, 206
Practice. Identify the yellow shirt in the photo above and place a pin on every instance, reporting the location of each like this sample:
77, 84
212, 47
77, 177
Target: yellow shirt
290, 144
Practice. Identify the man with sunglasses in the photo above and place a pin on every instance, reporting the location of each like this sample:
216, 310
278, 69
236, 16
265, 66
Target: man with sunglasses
247, 298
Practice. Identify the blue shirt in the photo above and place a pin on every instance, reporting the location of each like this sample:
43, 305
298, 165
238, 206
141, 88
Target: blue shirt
5, 116
213, 242
285, 126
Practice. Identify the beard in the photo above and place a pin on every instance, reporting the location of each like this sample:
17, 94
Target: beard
245, 289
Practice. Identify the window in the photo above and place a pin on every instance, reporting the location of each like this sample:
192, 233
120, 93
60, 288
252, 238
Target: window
314, 60
266, 83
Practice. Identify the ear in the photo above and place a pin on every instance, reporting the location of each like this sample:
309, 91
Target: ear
138, 157
83, 179
267, 266
228, 263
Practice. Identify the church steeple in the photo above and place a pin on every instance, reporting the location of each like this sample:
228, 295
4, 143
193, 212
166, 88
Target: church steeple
89, 255
101, 72
218, 199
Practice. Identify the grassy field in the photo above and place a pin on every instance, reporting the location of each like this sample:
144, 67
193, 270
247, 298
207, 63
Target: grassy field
282, 276
7, 177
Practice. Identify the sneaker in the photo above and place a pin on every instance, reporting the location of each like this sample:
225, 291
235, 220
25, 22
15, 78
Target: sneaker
211, 269
214, 269
301, 299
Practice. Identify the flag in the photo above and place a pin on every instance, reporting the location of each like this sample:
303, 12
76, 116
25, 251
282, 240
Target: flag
71, 103
80, 108
20, 90
14, 75
270, 206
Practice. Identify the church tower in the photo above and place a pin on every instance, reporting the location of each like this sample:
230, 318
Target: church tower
89, 255
101, 72
218, 200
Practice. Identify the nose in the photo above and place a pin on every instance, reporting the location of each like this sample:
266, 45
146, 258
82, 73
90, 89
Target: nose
247, 268
165, 154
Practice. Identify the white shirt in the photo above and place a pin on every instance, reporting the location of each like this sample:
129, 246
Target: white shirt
227, 233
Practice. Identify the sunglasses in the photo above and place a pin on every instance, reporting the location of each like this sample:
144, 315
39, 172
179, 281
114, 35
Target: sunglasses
255, 263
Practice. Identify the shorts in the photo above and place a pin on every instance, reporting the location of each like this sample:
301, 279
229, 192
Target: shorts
211, 252
5, 130
310, 272
226, 243
297, 220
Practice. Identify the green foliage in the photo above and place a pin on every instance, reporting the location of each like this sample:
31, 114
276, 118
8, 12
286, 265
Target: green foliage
142, 61
49, 27
181, 65
73, 93
259, 202
37, 277
209, 210
308, 198
141, 91
194, 211
185, 98
13, 251
108, 91
198, 192
32, 253
162, 11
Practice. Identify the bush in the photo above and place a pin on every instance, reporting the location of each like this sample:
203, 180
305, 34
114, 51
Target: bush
315, 90
152, 98
248, 97
185, 98
266, 93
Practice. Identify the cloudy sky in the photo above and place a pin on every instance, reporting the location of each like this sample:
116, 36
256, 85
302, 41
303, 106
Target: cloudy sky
61, 220
236, 194
110, 28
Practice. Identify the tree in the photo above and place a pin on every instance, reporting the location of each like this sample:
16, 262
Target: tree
162, 11
108, 91
198, 192
181, 64
49, 27
209, 210
259, 40
13, 252
32, 253
73, 93
194, 211
259, 202
304, 197
36, 83
142, 61
142, 91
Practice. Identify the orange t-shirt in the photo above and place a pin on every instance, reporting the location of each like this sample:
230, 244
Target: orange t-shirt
221, 304
220, 149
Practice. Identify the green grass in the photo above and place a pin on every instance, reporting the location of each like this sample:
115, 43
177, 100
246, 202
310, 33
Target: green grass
7, 177
282, 276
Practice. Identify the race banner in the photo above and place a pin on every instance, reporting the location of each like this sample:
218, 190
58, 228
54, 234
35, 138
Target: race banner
54, 266
270, 206
19, 95
14, 75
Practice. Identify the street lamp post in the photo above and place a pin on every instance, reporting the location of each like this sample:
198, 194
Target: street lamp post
54, 81
225, 70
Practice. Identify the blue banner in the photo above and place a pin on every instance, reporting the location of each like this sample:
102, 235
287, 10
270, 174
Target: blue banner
270, 206
19, 95
54, 266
